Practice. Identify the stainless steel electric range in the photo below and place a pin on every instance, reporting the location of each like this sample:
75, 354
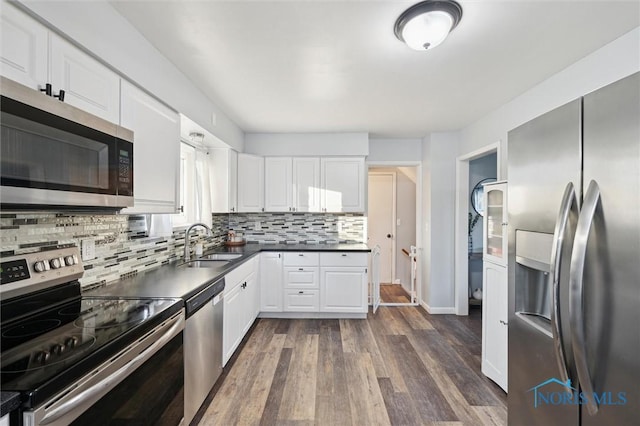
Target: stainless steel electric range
81, 360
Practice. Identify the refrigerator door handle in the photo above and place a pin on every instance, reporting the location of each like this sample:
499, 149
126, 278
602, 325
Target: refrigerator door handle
568, 202
576, 289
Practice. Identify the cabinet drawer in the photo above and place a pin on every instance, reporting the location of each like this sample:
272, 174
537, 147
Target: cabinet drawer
301, 277
302, 300
344, 259
301, 258
237, 275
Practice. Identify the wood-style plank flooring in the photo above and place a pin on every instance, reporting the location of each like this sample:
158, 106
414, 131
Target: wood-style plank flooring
394, 293
401, 366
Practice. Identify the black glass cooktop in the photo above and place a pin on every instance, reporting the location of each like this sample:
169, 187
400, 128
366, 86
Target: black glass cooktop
45, 351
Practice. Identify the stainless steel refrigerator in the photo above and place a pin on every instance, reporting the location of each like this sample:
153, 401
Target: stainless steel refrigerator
574, 262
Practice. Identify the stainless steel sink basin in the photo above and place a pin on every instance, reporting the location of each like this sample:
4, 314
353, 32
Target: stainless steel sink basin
206, 263
221, 256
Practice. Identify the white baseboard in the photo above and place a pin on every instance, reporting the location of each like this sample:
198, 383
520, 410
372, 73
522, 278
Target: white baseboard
437, 311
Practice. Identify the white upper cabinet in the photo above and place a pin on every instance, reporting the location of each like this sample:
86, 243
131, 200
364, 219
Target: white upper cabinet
24, 48
250, 183
495, 223
224, 180
88, 84
343, 184
156, 151
34, 56
278, 185
306, 184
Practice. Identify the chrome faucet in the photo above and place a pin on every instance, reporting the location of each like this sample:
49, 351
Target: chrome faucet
187, 251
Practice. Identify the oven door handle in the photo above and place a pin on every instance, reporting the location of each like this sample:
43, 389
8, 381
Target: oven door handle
72, 405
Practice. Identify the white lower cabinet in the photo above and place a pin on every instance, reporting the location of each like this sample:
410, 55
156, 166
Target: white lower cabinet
241, 305
343, 289
494, 323
321, 283
271, 282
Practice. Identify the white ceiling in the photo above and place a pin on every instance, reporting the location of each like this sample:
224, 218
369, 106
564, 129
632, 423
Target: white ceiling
336, 66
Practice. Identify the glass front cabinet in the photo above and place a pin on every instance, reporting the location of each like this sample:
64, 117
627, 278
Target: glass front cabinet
495, 223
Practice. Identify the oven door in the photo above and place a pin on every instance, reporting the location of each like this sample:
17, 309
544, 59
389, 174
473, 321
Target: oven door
142, 385
53, 154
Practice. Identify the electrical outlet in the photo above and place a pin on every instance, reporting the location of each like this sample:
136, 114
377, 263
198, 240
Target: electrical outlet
88, 249
256, 225
339, 226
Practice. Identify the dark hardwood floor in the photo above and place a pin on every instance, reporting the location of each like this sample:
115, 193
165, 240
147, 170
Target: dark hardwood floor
394, 293
401, 366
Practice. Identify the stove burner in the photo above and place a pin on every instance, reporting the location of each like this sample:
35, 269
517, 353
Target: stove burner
111, 314
32, 328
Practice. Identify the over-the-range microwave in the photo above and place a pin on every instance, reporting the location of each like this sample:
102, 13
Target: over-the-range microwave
53, 155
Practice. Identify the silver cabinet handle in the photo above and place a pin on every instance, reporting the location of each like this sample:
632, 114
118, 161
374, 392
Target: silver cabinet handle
568, 201
504, 322
576, 286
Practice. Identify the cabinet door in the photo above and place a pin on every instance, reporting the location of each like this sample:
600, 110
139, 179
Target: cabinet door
250, 183
251, 302
277, 184
223, 172
232, 327
343, 184
343, 289
271, 282
23, 48
156, 147
495, 223
88, 84
494, 324
306, 184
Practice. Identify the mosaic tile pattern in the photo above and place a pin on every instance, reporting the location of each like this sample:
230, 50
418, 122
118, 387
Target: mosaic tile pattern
297, 228
123, 247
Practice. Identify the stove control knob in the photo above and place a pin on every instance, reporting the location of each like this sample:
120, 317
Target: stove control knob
55, 263
39, 266
43, 356
69, 260
71, 342
58, 349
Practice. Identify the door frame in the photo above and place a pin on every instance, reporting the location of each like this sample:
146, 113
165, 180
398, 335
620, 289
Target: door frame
394, 196
419, 228
461, 233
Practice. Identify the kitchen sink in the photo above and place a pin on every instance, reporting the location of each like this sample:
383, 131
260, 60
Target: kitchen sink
221, 256
205, 263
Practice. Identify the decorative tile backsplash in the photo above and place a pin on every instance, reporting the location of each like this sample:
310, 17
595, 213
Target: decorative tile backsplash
123, 247
296, 228
122, 244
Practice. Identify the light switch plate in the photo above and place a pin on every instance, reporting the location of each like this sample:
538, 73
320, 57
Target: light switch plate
88, 249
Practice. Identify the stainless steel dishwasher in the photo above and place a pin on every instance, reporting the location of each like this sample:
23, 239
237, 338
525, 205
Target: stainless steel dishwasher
202, 346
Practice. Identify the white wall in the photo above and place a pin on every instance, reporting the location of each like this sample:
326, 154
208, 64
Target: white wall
104, 33
394, 149
439, 151
610, 63
301, 144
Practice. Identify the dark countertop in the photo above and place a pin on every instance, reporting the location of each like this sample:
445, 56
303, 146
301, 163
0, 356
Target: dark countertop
9, 401
179, 281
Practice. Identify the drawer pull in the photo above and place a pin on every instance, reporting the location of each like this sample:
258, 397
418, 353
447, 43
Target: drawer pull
344, 255
300, 269
300, 254
301, 292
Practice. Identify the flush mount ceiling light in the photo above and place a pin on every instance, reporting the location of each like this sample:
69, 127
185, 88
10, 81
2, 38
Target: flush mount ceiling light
426, 24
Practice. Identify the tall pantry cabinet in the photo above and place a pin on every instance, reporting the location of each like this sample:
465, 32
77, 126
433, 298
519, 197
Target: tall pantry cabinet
494, 276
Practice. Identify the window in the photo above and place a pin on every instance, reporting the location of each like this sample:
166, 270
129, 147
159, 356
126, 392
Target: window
187, 213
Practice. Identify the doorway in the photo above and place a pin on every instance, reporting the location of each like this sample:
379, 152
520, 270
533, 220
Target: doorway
391, 225
468, 248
